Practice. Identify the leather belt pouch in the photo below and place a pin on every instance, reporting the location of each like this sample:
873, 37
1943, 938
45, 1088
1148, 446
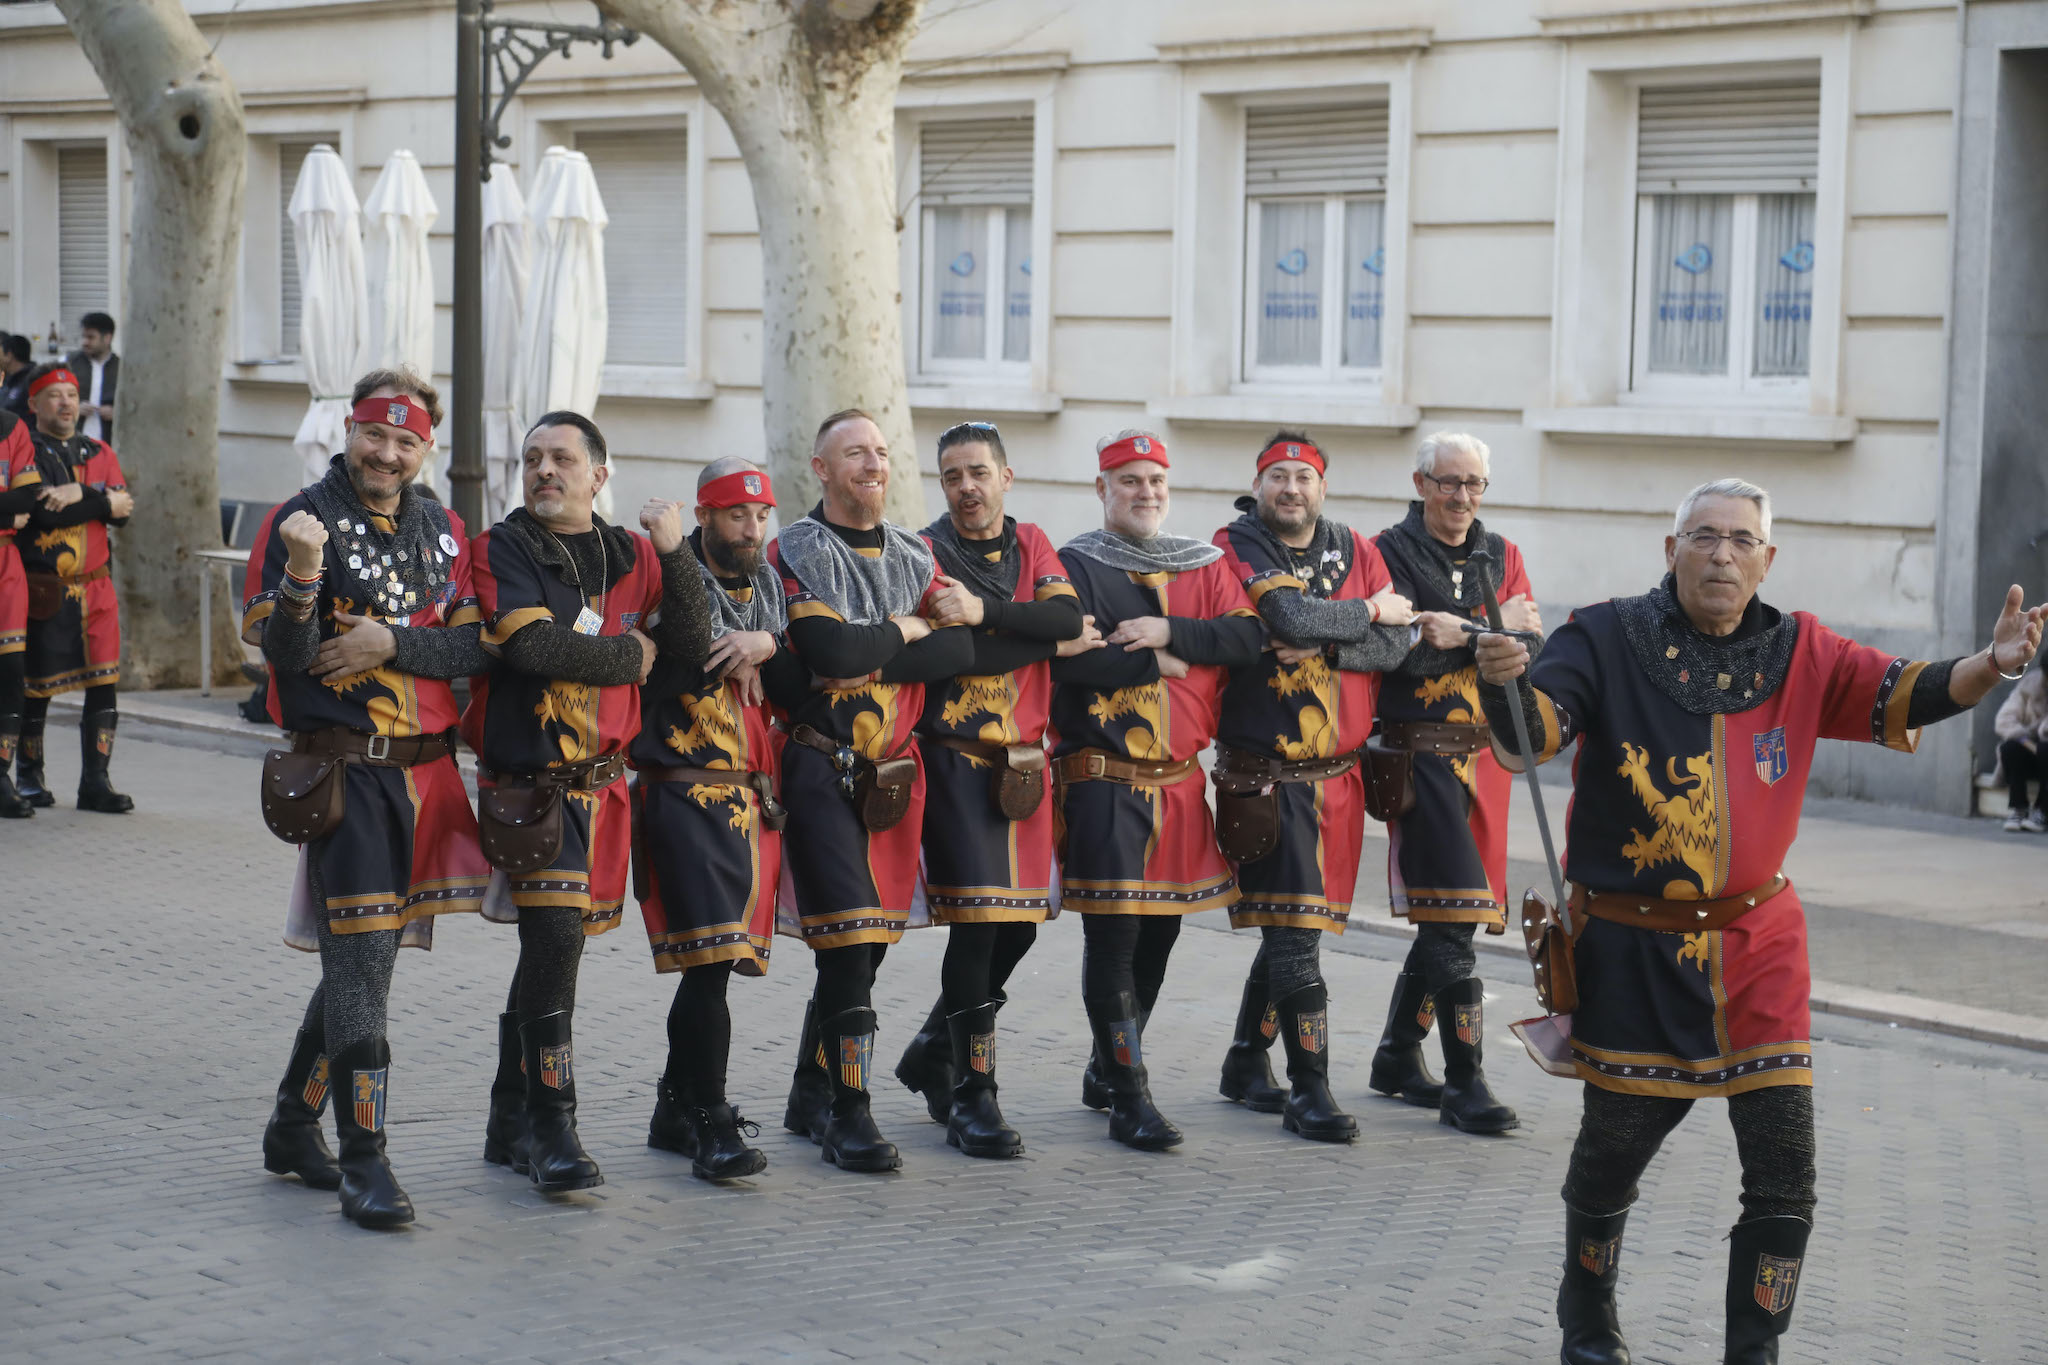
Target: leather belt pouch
1550, 955
304, 796
1247, 822
45, 595
1018, 780
520, 828
882, 793
1389, 781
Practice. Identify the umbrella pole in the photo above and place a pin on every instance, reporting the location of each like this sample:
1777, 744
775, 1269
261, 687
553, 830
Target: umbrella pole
466, 419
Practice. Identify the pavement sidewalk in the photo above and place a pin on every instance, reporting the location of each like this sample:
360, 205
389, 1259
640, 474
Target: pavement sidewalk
1924, 921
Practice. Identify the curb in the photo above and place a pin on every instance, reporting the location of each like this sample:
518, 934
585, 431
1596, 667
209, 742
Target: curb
143, 720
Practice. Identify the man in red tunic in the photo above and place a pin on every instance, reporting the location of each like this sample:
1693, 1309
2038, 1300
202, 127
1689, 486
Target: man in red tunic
20, 490
1287, 762
74, 623
564, 596
1137, 842
1696, 709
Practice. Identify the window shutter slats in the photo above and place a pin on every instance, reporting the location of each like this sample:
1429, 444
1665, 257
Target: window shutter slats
291, 159
1729, 139
82, 267
976, 161
643, 179
1316, 149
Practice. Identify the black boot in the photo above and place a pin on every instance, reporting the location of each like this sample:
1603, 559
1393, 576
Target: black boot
721, 1152
1247, 1074
1095, 1092
28, 764
13, 805
1133, 1120
851, 1141
1585, 1300
1468, 1105
1305, 1032
974, 1123
1398, 1067
810, 1091
1764, 1260
292, 1141
507, 1122
927, 1066
96, 749
674, 1125
369, 1192
555, 1159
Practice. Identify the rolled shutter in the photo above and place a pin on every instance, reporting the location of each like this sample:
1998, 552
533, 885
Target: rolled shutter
976, 161
1315, 149
291, 159
1761, 138
82, 265
643, 178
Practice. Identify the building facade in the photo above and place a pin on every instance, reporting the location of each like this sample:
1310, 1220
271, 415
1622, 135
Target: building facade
1631, 245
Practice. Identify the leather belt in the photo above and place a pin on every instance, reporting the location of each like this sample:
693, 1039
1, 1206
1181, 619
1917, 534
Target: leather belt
760, 784
1100, 765
1001, 755
1435, 737
592, 774
1240, 768
354, 746
103, 571
1669, 916
813, 738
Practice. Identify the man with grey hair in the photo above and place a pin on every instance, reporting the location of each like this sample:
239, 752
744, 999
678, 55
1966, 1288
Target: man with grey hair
1696, 708
1447, 855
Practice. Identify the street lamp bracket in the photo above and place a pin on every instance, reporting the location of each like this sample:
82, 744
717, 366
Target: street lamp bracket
513, 48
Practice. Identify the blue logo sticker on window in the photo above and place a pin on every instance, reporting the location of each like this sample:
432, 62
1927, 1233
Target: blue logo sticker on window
963, 264
1376, 263
1293, 263
1799, 259
1695, 259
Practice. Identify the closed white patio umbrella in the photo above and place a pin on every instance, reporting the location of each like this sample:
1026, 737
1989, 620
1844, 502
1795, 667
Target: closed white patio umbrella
333, 309
396, 218
508, 261
562, 335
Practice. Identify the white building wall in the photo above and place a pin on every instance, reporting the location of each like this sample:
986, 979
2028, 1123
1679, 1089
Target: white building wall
1504, 145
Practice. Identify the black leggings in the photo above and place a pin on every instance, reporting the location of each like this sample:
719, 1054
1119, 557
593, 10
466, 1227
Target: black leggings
846, 977
13, 675
2022, 765
1442, 954
35, 711
1126, 953
1289, 958
700, 1031
979, 960
1621, 1133
550, 951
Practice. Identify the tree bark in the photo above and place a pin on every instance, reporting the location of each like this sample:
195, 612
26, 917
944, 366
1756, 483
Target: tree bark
185, 134
808, 88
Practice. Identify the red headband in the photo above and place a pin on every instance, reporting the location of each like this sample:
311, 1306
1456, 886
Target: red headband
1291, 450
1134, 448
53, 377
395, 412
748, 485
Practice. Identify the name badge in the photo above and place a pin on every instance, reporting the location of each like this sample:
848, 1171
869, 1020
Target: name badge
588, 622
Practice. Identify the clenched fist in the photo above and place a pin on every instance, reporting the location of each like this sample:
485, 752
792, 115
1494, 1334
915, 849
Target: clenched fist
121, 503
662, 519
305, 540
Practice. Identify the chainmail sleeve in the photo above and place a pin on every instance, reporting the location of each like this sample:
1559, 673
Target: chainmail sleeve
438, 651
1306, 622
1383, 649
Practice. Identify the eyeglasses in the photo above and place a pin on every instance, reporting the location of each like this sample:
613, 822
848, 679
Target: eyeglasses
1707, 542
1449, 486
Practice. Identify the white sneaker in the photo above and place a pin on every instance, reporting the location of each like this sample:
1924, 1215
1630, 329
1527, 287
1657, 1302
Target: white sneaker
2035, 822
2012, 822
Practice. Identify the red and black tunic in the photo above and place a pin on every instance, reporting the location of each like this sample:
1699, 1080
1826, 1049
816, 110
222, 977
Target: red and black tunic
1128, 850
1693, 755
1447, 859
79, 644
522, 723
1312, 709
980, 866
19, 482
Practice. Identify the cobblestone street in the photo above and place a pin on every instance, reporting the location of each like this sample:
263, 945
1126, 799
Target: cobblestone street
150, 1006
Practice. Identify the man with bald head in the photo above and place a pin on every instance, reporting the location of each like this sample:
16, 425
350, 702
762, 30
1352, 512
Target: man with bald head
860, 597
707, 826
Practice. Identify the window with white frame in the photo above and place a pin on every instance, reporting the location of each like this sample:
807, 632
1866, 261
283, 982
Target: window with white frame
82, 228
643, 177
1725, 192
975, 245
1315, 180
